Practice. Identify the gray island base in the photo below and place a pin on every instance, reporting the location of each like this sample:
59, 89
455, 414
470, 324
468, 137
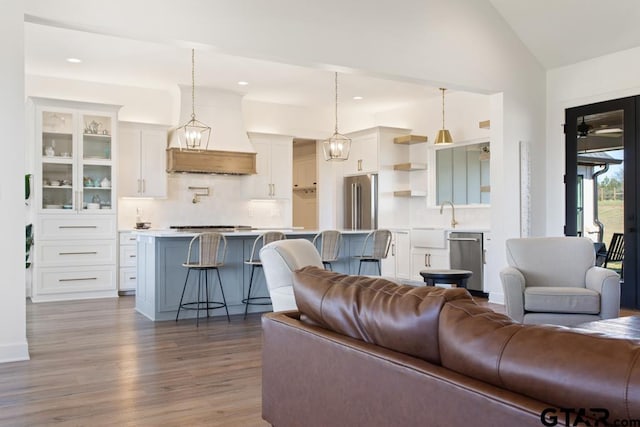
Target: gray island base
160, 275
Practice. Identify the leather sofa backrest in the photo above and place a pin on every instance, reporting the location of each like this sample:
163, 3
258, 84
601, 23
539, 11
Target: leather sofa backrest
398, 317
554, 364
552, 261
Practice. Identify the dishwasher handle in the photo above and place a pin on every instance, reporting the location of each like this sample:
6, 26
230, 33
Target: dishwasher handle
462, 239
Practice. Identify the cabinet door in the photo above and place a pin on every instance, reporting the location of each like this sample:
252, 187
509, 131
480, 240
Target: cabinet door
403, 255
95, 162
363, 157
129, 184
262, 179
153, 163
426, 258
281, 170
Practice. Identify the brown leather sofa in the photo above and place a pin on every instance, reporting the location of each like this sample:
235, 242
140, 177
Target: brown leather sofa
363, 351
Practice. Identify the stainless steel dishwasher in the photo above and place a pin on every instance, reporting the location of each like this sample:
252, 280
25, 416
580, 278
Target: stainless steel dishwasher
466, 253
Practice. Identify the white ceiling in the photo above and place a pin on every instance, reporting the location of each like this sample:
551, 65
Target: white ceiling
557, 32
563, 32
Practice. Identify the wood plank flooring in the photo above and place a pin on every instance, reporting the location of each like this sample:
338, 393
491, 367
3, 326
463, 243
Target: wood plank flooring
99, 363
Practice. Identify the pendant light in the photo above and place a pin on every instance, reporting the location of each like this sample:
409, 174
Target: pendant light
193, 135
337, 146
443, 136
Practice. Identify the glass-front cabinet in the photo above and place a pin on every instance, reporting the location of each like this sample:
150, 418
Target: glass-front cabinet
74, 152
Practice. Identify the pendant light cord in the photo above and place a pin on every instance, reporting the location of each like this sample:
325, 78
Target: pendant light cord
193, 83
336, 81
442, 89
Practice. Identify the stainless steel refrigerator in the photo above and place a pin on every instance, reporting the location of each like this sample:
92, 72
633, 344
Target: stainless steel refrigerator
361, 202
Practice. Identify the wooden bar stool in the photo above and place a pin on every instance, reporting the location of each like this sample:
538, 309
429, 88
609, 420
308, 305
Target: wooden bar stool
212, 249
254, 262
327, 243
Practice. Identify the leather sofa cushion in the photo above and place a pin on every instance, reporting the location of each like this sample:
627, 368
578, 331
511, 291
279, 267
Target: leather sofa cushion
375, 310
561, 300
548, 363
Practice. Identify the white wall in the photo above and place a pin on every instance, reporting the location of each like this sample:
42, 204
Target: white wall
13, 337
607, 77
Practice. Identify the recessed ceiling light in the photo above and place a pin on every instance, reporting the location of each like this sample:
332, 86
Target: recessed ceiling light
74, 60
357, 98
243, 83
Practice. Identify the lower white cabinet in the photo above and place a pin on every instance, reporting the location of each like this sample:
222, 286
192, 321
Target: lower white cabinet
429, 249
397, 265
127, 259
74, 257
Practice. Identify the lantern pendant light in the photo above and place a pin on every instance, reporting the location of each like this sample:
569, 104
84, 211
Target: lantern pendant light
193, 135
336, 147
443, 136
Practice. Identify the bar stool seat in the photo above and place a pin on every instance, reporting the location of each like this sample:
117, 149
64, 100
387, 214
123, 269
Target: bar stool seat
212, 249
453, 277
254, 262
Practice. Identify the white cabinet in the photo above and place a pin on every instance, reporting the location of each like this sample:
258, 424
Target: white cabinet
429, 249
142, 160
398, 262
127, 262
274, 158
363, 157
74, 249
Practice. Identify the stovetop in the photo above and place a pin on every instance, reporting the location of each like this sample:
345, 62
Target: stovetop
210, 227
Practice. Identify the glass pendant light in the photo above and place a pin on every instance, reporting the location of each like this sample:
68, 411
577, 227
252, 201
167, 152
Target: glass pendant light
443, 136
337, 146
193, 135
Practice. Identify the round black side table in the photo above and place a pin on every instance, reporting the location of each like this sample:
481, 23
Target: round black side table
453, 277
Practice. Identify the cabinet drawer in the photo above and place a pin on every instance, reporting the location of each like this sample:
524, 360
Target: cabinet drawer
70, 253
66, 280
127, 238
76, 227
127, 280
128, 256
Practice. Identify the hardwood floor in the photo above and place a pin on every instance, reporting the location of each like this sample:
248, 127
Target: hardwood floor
98, 363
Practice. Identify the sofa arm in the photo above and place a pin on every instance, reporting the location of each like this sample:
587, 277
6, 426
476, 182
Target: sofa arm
513, 287
607, 283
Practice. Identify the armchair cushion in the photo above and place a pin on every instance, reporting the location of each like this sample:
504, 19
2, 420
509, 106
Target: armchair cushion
561, 300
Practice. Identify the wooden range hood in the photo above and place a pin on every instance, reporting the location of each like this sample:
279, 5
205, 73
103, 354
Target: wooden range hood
210, 162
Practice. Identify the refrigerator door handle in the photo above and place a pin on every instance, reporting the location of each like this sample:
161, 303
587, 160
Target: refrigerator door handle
353, 205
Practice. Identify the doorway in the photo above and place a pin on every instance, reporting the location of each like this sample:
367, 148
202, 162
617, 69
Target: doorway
601, 182
305, 200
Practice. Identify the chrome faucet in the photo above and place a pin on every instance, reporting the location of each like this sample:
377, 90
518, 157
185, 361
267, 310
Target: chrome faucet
453, 212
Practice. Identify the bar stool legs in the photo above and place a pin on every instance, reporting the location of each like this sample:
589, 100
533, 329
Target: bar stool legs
201, 304
254, 300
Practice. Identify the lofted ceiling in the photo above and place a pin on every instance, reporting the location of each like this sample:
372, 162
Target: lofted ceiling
557, 32
563, 32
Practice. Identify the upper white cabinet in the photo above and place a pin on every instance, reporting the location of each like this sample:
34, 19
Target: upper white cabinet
142, 160
274, 166
74, 170
363, 157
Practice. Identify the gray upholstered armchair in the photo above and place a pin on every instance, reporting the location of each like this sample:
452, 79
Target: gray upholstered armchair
555, 280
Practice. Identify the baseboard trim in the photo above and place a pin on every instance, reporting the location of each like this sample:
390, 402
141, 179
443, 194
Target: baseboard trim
14, 352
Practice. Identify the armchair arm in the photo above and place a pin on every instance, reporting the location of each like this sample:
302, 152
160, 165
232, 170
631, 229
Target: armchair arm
513, 287
607, 283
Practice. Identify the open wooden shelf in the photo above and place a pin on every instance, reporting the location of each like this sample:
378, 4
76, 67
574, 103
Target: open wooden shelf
410, 166
410, 139
409, 193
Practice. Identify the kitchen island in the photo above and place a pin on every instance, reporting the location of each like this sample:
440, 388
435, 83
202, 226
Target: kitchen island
160, 275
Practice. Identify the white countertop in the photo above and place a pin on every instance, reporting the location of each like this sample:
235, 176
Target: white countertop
244, 233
